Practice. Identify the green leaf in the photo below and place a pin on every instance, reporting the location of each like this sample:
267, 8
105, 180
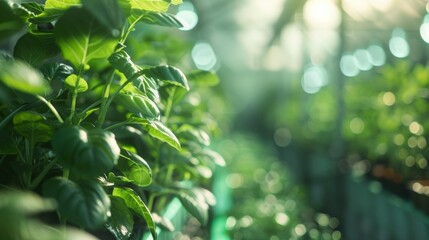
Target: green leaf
150, 5
176, 2
203, 78
9, 22
135, 203
24, 203
140, 105
34, 8
122, 62
212, 156
22, 77
161, 19
136, 169
195, 203
108, 13
16, 207
84, 204
190, 133
56, 71
167, 75
121, 221
35, 49
72, 83
82, 38
163, 222
159, 131
86, 153
54, 9
33, 126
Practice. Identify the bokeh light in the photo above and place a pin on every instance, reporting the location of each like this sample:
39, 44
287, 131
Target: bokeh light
398, 44
314, 78
348, 66
187, 16
204, 56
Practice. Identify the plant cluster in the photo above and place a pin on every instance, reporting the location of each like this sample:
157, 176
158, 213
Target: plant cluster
268, 204
387, 124
91, 134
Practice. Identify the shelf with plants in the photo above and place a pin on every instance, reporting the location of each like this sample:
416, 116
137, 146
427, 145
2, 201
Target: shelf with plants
386, 126
93, 142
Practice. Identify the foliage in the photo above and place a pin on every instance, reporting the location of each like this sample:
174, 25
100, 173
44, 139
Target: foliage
110, 140
387, 122
267, 201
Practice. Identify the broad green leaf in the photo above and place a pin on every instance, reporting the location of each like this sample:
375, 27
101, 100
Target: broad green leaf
16, 207
82, 38
54, 9
56, 71
135, 203
9, 22
122, 62
150, 5
35, 49
136, 169
73, 83
85, 204
203, 78
195, 203
204, 171
108, 13
24, 203
167, 75
212, 156
189, 133
125, 5
86, 153
22, 77
159, 131
140, 105
208, 196
176, 2
33, 126
20, 11
33, 7
121, 221
163, 222
162, 19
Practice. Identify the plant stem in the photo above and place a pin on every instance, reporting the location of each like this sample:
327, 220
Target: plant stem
92, 106
104, 107
6, 119
117, 125
110, 98
51, 107
151, 201
42, 174
74, 95
130, 29
66, 172
169, 104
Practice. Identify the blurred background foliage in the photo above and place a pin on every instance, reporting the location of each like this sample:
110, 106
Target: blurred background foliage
338, 88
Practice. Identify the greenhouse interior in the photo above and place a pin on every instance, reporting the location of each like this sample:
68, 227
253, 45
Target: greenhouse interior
220, 120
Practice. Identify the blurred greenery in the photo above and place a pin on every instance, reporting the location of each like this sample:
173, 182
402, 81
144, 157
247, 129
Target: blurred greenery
266, 201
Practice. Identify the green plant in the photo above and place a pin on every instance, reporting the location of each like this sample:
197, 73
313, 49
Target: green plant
387, 123
266, 202
109, 140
